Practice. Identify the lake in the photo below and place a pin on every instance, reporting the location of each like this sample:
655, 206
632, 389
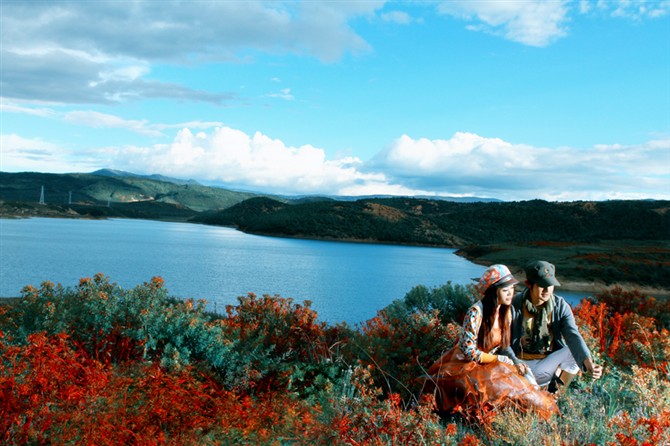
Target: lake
346, 282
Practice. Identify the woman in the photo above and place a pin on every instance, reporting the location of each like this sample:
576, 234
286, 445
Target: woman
481, 371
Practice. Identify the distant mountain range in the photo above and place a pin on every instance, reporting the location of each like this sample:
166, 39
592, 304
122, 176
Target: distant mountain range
108, 186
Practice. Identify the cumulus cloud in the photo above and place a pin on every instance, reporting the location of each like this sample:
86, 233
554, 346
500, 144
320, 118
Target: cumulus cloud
469, 163
252, 161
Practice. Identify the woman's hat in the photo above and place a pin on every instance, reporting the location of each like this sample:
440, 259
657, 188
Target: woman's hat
498, 276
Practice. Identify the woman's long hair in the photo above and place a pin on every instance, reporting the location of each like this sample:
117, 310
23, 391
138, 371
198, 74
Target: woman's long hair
485, 337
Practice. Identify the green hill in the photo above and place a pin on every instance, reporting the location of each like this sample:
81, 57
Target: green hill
107, 190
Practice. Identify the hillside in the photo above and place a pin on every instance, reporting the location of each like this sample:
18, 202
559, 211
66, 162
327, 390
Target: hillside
442, 223
109, 189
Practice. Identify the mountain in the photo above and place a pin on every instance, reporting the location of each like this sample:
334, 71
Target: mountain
123, 174
112, 188
592, 244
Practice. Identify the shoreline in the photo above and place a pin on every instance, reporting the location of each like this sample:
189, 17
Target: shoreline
563, 255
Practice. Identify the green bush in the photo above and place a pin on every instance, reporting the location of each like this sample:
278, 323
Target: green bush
114, 325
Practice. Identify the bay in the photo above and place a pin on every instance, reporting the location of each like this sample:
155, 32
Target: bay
346, 282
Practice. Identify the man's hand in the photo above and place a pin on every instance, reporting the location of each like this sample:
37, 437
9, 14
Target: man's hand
595, 370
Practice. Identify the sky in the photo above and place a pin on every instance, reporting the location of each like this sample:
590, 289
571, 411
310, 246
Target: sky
514, 100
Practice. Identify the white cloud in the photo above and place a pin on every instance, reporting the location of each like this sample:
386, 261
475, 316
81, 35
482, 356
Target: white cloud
541, 22
399, 17
531, 22
464, 165
96, 52
36, 155
102, 120
634, 9
42, 112
74, 77
258, 161
284, 93
468, 163
93, 119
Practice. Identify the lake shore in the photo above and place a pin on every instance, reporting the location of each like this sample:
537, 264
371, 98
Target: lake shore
581, 267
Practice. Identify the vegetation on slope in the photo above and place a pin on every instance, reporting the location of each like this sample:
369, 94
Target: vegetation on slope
100, 364
101, 189
423, 221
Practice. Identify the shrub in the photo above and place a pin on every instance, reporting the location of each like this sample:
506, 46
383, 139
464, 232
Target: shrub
624, 329
114, 325
409, 334
99, 364
451, 301
285, 346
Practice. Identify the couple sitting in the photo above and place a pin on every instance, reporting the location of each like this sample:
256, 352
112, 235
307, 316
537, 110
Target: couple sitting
514, 349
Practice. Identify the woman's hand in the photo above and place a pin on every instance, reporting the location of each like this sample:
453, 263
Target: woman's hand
505, 359
522, 368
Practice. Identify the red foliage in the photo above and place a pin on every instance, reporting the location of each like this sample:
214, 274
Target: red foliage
627, 329
643, 432
279, 322
50, 393
469, 440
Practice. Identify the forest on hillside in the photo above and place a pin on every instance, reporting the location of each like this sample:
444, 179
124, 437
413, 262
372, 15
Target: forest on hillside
444, 223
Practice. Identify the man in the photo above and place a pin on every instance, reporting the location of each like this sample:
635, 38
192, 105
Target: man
544, 333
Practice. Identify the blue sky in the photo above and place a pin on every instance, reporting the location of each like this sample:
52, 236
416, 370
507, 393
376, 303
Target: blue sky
516, 100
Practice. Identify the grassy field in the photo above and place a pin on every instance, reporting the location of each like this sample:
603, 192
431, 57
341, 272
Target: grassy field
587, 266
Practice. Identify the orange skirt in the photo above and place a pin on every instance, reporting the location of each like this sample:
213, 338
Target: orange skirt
468, 387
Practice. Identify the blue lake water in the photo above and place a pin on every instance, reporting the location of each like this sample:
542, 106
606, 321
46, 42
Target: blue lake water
346, 282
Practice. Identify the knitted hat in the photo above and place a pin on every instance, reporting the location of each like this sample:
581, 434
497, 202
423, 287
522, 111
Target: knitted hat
497, 276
